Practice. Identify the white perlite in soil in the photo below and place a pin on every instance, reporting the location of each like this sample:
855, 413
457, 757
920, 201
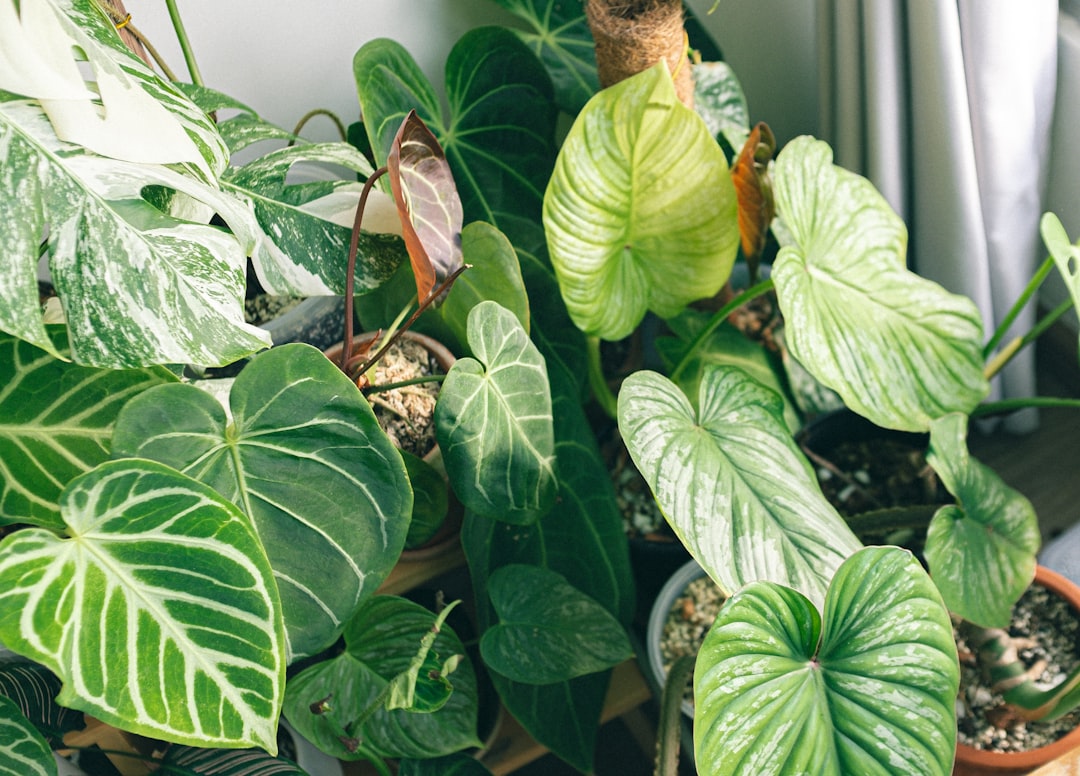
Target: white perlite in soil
983, 719
407, 413
690, 617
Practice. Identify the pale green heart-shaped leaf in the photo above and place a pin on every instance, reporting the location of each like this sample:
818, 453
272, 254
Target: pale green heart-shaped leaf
640, 210
731, 481
56, 420
499, 133
380, 642
23, 750
548, 630
899, 349
300, 252
1066, 255
158, 610
102, 236
304, 457
494, 422
869, 688
559, 35
494, 274
583, 540
981, 551
719, 100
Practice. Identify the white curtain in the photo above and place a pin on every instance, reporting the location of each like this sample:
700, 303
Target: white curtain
947, 105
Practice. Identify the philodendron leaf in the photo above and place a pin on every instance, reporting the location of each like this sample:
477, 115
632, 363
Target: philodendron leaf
494, 273
23, 750
329, 698
559, 35
424, 686
868, 688
640, 211
1066, 255
731, 481
304, 457
499, 133
981, 551
899, 349
56, 419
427, 203
158, 610
548, 630
494, 422
719, 100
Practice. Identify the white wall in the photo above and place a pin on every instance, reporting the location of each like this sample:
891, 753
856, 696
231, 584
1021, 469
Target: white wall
285, 58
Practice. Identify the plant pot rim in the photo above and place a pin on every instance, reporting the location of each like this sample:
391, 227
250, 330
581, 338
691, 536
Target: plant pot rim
1022, 762
676, 583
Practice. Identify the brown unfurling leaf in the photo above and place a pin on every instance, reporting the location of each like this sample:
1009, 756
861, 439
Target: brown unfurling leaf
753, 189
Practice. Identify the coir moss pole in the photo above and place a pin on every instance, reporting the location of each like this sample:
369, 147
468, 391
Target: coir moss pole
631, 35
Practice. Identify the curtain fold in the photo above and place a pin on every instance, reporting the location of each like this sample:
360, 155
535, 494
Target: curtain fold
947, 105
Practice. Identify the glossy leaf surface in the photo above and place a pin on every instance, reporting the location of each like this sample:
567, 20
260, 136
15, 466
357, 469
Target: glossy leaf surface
56, 420
548, 630
731, 481
494, 421
304, 457
158, 610
899, 349
982, 549
427, 204
640, 211
380, 642
869, 687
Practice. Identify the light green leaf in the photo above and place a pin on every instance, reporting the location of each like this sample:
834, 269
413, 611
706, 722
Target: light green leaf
731, 481
559, 35
494, 423
380, 643
869, 688
719, 100
899, 349
548, 630
1066, 255
23, 750
158, 610
640, 211
304, 457
494, 274
424, 687
981, 550
102, 238
499, 132
56, 420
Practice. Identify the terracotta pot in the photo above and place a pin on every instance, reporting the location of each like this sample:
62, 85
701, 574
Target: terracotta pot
980, 762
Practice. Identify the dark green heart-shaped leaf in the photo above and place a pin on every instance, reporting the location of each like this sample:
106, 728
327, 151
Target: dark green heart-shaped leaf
991, 535
160, 583
304, 456
559, 35
870, 688
731, 481
548, 630
640, 210
380, 643
898, 348
499, 133
430, 500
494, 274
56, 419
23, 750
494, 421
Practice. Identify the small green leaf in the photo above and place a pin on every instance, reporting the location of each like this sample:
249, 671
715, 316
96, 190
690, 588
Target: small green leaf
731, 481
548, 630
304, 457
640, 210
23, 750
381, 641
56, 420
899, 349
982, 550
868, 688
494, 421
160, 583
425, 686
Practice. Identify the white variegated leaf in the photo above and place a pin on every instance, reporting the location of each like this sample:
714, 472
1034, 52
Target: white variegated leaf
157, 609
23, 750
